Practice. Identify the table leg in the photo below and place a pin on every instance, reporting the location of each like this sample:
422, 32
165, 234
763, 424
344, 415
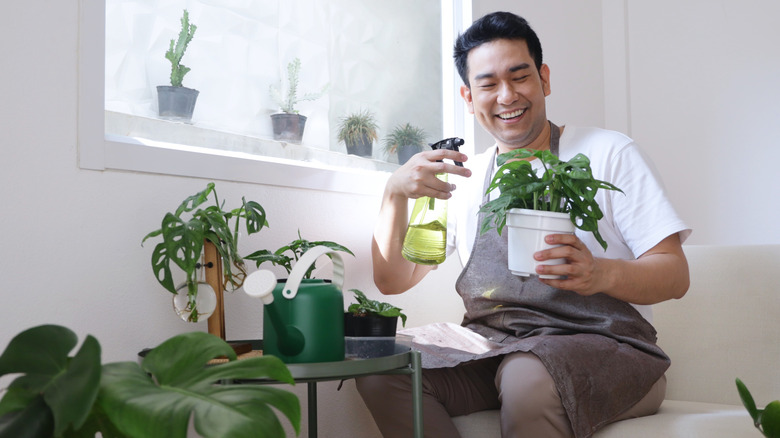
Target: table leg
313, 410
417, 394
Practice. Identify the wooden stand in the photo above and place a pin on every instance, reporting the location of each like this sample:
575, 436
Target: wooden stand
214, 277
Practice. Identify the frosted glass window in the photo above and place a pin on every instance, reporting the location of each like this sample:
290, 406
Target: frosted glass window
385, 57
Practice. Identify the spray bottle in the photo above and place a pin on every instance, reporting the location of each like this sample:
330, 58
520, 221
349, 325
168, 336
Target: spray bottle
426, 237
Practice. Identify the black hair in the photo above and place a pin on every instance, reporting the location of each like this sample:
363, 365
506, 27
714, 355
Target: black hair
494, 26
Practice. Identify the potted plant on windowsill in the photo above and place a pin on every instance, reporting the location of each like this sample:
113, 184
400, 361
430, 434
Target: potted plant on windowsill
288, 125
358, 131
60, 395
175, 101
405, 140
563, 196
183, 240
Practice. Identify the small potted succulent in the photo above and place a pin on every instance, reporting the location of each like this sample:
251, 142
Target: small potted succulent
175, 101
358, 131
766, 420
405, 140
288, 124
561, 198
183, 240
56, 394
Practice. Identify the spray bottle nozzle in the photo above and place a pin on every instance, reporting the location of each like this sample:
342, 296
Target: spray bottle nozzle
452, 144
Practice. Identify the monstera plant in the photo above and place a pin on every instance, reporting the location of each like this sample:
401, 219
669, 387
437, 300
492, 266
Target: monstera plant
290, 253
184, 233
57, 395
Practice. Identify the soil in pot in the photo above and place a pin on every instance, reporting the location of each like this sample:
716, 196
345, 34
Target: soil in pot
288, 127
176, 103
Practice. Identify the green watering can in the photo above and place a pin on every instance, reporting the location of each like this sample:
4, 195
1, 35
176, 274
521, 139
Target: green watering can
303, 319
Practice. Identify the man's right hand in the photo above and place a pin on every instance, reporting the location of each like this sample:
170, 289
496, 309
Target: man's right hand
394, 274
417, 178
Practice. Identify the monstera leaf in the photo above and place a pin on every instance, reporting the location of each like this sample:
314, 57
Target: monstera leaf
73, 397
173, 384
55, 391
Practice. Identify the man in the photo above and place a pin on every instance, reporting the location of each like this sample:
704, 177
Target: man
561, 357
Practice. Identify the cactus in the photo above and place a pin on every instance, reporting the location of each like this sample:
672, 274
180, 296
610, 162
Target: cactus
287, 104
177, 49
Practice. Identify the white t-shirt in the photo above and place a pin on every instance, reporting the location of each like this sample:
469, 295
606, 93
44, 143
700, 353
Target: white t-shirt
633, 222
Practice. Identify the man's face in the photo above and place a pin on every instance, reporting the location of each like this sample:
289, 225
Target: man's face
507, 93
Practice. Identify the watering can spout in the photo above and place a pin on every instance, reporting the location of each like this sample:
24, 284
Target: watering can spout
261, 284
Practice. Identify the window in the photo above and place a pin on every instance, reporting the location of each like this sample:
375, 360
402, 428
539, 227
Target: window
117, 132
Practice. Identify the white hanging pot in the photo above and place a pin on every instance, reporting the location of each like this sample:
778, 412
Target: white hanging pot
527, 230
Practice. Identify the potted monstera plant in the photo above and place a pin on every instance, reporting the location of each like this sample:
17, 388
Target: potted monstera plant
56, 394
358, 131
532, 206
405, 140
175, 101
184, 233
288, 124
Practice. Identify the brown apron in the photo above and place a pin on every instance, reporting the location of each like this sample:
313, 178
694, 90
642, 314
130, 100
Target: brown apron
599, 350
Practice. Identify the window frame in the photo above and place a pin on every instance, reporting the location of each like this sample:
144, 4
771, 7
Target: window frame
104, 152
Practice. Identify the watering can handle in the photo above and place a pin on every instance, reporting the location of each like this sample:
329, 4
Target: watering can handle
306, 261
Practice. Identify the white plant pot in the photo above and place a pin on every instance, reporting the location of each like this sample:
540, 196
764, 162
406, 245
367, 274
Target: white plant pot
527, 230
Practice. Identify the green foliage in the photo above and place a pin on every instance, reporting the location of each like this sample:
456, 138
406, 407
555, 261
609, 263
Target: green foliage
403, 136
54, 390
178, 47
564, 186
365, 306
183, 240
766, 420
296, 249
62, 396
355, 127
287, 103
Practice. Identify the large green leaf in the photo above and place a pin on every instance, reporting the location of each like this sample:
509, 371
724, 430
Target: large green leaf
67, 385
174, 383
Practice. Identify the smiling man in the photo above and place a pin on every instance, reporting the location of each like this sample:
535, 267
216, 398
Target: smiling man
559, 358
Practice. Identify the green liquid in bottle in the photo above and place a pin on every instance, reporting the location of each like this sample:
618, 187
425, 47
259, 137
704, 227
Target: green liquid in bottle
426, 244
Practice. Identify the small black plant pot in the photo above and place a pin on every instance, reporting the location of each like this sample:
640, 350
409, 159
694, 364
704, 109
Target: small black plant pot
369, 325
288, 127
361, 148
369, 336
176, 103
407, 152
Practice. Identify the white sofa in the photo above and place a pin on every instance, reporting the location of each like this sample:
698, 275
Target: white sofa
726, 327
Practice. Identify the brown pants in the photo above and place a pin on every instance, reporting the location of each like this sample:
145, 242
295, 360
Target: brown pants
518, 384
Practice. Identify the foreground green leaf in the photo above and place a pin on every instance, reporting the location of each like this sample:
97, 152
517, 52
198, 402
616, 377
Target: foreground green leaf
68, 386
181, 386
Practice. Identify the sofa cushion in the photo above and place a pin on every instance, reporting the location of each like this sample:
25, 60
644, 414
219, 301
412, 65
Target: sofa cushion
674, 419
